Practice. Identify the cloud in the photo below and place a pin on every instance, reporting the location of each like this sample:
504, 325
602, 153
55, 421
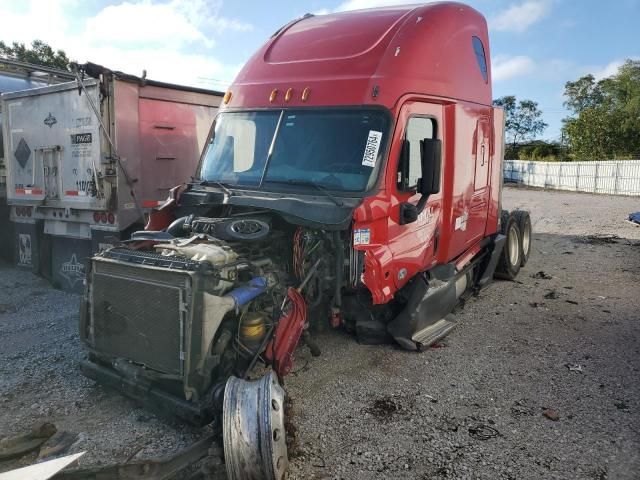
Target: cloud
172, 40
608, 70
505, 67
360, 4
519, 18
144, 23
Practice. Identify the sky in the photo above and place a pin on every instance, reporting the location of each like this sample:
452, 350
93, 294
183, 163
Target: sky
536, 45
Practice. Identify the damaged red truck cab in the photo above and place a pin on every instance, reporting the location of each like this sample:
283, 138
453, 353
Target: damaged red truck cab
429, 67
352, 176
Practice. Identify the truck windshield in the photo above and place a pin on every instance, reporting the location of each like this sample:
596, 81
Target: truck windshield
337, 149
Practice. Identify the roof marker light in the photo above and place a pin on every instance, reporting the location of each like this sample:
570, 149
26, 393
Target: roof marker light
287, 96
305, 94
227, 97
274, 94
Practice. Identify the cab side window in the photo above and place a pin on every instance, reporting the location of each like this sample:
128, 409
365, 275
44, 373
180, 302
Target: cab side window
418, 128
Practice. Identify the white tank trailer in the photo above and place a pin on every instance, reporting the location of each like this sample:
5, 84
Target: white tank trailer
86, 160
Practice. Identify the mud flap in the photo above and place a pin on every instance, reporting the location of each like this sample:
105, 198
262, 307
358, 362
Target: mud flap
426, 316
253, 429
489, 267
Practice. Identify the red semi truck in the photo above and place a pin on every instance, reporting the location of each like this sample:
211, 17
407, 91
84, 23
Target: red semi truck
352, 177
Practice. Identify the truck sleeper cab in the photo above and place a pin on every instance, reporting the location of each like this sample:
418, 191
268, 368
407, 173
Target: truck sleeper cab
352, 177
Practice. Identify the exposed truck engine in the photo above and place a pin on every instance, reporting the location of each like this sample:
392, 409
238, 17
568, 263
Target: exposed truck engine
344, 185
232, 282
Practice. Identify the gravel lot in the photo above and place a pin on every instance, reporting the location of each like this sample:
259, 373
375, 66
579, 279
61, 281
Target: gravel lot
471, 409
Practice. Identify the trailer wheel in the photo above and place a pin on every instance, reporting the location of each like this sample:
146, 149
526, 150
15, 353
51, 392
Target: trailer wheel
524, 222
511, 256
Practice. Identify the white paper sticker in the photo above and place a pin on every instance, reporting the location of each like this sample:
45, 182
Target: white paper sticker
371, 149
362, 236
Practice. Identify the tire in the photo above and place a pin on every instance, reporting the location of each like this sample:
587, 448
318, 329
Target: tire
511, 255
524, 222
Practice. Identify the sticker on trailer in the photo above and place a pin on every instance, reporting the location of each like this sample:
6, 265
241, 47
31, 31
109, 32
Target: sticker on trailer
81, 138
24, 249
82, 122
362, 236
371, 149
72, 271
81, 144
50, 121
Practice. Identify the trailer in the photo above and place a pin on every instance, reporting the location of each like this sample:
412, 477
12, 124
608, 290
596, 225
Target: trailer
352, 179
86, 160
15, 76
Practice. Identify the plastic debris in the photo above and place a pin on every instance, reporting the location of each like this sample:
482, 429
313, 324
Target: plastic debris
574, 367
541, 275
13, 447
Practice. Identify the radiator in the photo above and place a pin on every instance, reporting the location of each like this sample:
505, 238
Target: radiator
140, 313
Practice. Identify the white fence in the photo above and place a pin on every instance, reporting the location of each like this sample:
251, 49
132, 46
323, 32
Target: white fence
612, 177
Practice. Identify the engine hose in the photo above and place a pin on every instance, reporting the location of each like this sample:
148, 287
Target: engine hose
176, 227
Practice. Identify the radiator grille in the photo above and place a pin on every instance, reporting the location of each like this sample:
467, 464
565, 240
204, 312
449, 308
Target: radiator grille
137, 314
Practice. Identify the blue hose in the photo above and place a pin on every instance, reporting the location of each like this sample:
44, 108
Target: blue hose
243, 295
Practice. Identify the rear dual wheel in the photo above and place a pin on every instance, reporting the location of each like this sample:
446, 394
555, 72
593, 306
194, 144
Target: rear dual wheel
511, 256
524, 223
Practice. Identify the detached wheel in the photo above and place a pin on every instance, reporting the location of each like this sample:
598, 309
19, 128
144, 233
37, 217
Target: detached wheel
253, 429
524, 222
511, 256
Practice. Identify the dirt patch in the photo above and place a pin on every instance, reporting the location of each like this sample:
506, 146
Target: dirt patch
384, 408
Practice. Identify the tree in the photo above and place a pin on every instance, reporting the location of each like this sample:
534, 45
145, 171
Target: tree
583, 93
40, 53
523, 120
606, 115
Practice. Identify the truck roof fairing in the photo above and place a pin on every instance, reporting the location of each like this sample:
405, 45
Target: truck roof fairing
372, 56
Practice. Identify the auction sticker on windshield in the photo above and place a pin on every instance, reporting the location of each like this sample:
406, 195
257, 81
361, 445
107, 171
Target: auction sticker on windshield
371, 149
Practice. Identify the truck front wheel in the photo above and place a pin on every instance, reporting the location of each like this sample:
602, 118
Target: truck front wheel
511, 257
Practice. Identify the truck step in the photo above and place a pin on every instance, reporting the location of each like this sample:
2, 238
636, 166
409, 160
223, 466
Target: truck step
431, 334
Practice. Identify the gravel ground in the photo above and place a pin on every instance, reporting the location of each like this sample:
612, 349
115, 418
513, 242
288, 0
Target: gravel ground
470, 409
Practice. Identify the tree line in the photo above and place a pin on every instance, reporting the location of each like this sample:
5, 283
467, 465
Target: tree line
604, 122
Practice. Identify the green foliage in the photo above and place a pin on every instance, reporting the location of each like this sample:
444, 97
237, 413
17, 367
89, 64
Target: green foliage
606, 115
537, 150
523, 120
40, 53
540, 150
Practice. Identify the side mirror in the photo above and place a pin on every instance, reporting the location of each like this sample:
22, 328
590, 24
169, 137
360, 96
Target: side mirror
431, 162
408, 213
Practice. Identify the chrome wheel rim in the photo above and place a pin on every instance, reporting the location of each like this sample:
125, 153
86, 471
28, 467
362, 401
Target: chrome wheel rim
253, 429
514, 250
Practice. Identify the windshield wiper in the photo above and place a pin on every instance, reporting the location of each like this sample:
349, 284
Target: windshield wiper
300, 181
220, 185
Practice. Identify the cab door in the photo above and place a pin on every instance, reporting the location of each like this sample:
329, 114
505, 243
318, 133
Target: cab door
481, 154
413, 245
